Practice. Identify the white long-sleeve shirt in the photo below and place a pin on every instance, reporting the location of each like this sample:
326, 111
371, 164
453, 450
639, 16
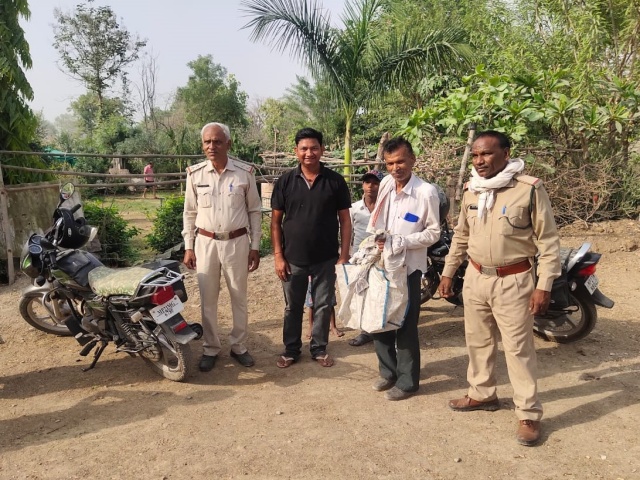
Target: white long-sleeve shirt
413, 213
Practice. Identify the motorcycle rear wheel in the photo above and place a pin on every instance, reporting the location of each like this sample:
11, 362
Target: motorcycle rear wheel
570, 326
36, 315
428, 285
173, 363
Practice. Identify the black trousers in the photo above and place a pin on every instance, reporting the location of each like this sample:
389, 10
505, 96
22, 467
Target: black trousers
398, 351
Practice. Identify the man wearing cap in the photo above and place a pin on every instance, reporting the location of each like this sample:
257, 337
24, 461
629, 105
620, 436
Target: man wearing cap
222, 220
360, 213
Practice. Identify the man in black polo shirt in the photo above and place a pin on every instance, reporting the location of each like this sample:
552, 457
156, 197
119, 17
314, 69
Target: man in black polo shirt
308, 204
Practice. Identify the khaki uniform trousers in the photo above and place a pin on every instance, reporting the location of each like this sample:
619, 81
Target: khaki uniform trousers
494, 303
229, 257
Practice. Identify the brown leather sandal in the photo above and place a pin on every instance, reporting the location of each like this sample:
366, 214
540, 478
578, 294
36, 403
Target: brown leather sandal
285, 362
324, 360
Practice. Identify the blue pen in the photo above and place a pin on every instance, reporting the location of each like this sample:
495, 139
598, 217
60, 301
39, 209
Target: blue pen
231, 187
504, 209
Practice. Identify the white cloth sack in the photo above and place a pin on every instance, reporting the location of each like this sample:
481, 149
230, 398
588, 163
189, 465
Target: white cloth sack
372, 299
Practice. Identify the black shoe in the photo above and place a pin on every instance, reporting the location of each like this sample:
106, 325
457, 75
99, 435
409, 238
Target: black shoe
207, 362
245, 359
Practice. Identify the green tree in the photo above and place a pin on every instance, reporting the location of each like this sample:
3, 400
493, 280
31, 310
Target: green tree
17, 121
94, 48
360, 65
212, 94
88, 109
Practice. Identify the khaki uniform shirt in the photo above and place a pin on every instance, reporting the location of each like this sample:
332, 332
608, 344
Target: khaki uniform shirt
520, 224
221, 202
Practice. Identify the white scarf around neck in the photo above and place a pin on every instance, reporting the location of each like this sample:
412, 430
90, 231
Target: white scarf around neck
485, 187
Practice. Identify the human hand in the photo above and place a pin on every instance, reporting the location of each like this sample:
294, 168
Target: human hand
539, 302
254, 260
342, 260
283, 270
189, 259
444, 289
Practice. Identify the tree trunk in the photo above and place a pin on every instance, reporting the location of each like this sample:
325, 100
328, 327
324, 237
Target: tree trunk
380, 154
463, 169
347, 148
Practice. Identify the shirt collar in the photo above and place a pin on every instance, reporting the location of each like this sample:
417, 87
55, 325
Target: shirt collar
408, 188
228, 166
299, 169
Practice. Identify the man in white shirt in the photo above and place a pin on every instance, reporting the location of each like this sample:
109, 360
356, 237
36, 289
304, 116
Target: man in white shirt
409, 207
360, 213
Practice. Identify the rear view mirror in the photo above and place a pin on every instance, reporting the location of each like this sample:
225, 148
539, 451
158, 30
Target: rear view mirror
66, 191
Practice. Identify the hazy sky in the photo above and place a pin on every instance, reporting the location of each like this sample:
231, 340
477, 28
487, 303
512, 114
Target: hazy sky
177, 31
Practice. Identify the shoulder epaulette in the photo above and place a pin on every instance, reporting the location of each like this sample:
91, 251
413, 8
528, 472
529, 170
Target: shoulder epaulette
242, 165
529, 180
197, 166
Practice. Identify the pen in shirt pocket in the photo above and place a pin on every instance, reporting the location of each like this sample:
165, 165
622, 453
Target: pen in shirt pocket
231, 187
504, 209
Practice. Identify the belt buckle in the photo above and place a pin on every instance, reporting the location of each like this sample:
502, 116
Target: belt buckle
221, 236
492, 271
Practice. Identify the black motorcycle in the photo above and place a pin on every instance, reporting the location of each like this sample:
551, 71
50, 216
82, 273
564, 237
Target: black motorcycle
137, 308
572, 311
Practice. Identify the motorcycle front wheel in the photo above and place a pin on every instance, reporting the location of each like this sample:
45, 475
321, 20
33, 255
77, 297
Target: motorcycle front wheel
170, 359
37, 315
569, 325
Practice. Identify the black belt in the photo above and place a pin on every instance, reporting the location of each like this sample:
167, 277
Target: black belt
222, 235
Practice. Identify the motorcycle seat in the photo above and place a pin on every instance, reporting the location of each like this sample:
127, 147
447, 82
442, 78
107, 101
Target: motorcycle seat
105, 281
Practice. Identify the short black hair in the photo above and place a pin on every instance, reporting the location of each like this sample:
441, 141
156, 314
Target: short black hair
503, 140
397, 143
308, 133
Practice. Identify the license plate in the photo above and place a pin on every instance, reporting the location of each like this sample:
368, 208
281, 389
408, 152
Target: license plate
164, 312
591, 283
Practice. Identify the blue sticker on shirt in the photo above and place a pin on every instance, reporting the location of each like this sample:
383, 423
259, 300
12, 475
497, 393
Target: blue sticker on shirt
410, 217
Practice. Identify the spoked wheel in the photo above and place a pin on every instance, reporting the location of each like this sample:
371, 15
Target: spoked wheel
572, 324
428, 285
170, 359
38, 316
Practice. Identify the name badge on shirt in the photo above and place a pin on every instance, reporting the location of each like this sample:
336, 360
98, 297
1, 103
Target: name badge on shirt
410, 217
473, 207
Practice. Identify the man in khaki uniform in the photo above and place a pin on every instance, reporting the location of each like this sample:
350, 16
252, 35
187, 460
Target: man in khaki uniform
222, 220
505, 218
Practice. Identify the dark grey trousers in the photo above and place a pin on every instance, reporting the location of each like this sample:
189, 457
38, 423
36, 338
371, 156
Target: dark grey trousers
323, 286
398, 351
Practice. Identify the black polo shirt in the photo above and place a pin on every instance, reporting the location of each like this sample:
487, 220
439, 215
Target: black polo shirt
310, 226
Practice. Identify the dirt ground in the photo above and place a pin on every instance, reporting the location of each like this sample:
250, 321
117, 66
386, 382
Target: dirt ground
121, 420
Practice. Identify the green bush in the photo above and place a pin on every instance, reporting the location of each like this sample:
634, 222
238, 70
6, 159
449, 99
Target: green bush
167, 226
265, 238
114, 233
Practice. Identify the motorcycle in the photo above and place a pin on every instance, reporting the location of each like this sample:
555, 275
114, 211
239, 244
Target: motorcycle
572, 313
138, 308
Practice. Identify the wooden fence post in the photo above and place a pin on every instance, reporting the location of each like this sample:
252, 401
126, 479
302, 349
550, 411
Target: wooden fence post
4, 213
463, 167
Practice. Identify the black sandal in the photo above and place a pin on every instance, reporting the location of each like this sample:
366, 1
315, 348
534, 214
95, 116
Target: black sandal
360, 340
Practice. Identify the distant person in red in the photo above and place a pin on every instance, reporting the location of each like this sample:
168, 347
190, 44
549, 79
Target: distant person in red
149, 179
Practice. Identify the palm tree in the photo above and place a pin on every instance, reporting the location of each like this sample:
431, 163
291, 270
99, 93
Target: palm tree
360, 64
